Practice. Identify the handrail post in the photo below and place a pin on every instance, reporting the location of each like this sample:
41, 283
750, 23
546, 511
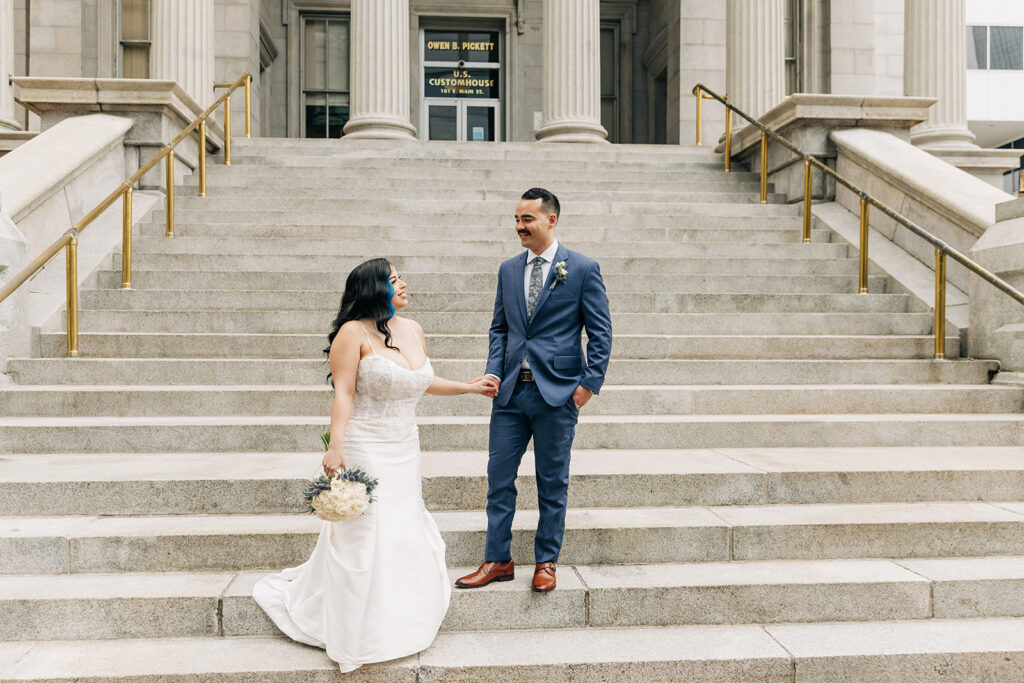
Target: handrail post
126, 239
227, 130
808, 170
700, 96
728, 139
248, 105
169, 182
202, 158
764, 167
72, 287
863, 279
940, 304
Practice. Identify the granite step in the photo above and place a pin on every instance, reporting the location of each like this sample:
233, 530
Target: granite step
635, 535
334, 281
784, 229
176, 605
918, 650
313, 371
440, 346
294, 246
212, 400
468, 322
175, 483
293, 433
637, 268
326, 302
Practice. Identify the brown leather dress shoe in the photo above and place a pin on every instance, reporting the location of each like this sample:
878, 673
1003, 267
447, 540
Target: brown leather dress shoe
544, 577
488, 572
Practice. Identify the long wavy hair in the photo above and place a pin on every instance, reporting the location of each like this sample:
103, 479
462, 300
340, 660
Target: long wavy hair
368, 293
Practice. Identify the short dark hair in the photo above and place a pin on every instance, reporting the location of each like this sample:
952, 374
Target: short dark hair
548, 200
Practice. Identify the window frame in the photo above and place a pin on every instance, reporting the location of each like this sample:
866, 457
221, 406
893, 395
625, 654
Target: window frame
305, 17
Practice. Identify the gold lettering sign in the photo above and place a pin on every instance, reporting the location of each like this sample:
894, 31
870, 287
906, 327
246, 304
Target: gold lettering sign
461, 83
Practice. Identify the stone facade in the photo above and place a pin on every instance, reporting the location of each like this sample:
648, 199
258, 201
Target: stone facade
657, 49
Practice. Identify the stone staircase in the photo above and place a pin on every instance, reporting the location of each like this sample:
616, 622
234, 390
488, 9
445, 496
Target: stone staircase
777, 483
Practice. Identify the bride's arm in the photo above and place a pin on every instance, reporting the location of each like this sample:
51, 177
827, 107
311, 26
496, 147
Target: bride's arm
344, 361
446, 387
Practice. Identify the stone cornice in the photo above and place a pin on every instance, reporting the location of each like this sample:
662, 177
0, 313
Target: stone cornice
833, 111
113, 96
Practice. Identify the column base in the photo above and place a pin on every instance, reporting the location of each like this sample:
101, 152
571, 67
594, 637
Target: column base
987, 164
379, 128
572, 131
941, 137
9, 123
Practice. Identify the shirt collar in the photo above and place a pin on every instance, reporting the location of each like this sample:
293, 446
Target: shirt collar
548, 254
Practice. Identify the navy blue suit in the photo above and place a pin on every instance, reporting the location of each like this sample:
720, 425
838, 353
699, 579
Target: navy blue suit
544, 409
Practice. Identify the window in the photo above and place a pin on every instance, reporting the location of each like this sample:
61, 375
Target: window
977, 47
135, 39
325, 88
1006, 48
997, 48
610, 80
793, 21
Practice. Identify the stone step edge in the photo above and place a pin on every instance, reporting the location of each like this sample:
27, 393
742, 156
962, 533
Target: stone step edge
901, 650
184, 467
293, 420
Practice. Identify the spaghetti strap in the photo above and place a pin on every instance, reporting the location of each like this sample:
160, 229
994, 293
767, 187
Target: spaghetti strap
368, 340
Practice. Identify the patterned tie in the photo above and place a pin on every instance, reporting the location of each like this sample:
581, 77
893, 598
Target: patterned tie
536, 282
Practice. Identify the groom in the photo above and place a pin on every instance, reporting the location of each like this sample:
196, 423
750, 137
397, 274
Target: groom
546, 296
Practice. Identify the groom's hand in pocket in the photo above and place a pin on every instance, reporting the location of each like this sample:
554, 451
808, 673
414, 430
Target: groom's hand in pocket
581, 396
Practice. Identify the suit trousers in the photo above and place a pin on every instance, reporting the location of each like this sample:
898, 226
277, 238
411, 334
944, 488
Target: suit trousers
552, 428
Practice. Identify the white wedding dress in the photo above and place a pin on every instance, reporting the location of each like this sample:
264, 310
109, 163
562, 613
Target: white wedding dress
376, 587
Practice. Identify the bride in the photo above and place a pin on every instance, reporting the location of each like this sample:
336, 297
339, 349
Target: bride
376, 587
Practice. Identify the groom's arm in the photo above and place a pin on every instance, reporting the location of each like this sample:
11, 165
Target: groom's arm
497, 337
598, 321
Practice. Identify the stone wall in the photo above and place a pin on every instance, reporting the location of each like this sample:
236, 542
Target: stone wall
237, 50
867, 47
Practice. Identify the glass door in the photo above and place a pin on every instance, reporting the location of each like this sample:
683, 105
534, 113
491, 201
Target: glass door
461, 85
462, 121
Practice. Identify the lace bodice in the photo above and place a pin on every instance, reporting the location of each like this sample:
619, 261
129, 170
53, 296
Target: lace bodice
387, 391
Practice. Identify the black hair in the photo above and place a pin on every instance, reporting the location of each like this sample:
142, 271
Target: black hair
368, 293
548, 200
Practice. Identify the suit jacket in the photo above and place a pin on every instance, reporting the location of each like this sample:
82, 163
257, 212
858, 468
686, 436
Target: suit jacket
551, 340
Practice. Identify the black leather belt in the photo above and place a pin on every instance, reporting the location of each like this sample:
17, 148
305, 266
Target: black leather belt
525, 376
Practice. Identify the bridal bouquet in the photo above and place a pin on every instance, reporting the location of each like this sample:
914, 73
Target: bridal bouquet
344, 496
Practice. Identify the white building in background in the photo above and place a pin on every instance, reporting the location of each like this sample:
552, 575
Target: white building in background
477, 69
995, 76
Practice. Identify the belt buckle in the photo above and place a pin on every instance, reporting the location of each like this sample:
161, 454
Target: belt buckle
525, 375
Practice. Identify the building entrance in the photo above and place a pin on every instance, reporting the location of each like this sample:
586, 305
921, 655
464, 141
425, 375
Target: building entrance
462, 85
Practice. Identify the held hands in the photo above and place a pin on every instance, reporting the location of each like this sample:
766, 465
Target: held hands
485, 386
334, 460
581, 396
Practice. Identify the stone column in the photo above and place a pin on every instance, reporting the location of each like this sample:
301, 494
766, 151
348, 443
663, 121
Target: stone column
572, 72
379, 81
755, 67
7, 114
934, 65
182, 48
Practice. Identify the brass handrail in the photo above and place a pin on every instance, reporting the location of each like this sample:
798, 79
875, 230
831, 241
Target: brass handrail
942, 248
125, 191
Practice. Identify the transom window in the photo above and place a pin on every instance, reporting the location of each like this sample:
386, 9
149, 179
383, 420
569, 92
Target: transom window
135, 39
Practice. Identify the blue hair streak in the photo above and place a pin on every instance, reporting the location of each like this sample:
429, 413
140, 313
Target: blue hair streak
391, 296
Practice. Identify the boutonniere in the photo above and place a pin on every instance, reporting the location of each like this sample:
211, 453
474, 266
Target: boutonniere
560, 274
